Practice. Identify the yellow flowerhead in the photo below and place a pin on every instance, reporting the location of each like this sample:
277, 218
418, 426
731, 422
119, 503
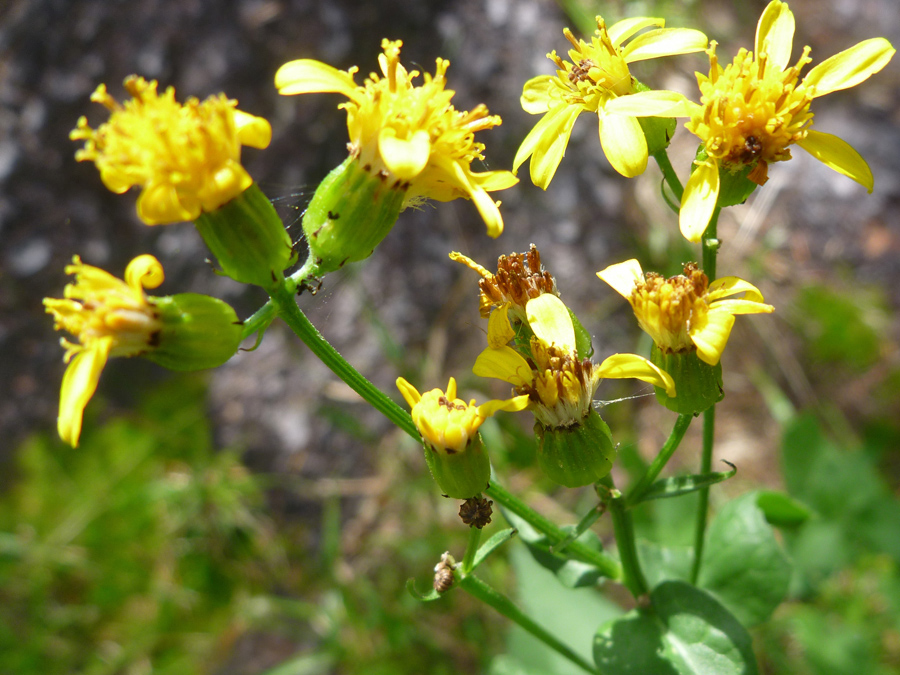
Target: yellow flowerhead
187, 158
448, 424
559, 384
685, 312
109, 317
520, 277
596, 75
411, 135
755, 108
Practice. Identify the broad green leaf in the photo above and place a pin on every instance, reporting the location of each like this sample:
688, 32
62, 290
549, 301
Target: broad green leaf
781, 510
684, 632
743, 564
680, 485
665, 563
492, 545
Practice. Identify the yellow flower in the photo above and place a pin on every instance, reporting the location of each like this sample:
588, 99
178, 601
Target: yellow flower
411, 135
596, 75
187, 158
448, 424
685, 312
109, 317
560, 385
754, 109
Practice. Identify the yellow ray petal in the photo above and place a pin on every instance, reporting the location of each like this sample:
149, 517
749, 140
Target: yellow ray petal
410, 393
743, 307
623, 366
839, 155
699, 201
404, 157
451, 389
655, 103
623, 276
664, 42
144, 271
504, 364
159, 204
546, 144
624, 144
492, 181
536, 94
549, 319
710, 337
252, 131
510, 405
775, 34
725, 286
624, 29
850, 67
308, 76
500, 330
78, 386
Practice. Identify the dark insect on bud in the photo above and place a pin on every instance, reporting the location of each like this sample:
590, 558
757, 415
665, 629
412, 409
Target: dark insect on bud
476, 512
443, 573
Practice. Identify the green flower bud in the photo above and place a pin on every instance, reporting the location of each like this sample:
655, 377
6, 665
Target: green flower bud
576, 455
197, 332
248, 239
460, 475
352, 211
699, 384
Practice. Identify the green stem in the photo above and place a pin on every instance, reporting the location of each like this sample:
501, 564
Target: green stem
471, 549
623, 528
711, 245
488, 595
671, 178
709, 428
286, 306
656, 466
608, 566
265, 315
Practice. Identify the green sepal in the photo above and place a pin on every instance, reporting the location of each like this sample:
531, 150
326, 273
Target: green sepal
198, 332
698, 385
352, 210
460, 475
657, 130
577, 455
734, 186
248, 239
583, 346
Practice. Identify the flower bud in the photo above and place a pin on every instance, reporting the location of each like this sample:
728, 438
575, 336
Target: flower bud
576, 455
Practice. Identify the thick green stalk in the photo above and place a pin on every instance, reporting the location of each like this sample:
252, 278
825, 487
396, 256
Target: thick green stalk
471, 549
671, 178
607, 566
656, 466
264, 316
709, 427
488, 595
623, 528
287, 308
710, 246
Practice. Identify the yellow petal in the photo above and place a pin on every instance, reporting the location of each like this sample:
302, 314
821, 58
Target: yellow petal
115, 180
307, 76
624, 144
655, 103
536, 94
725, 286
664, 42
711, 335
839, 155
252, 131
623, 276
549, 318
624, 29
743, 307
510, 405
492, 181
850, 67
158, 204
145, 271
699, 201
500, 330
546, 143
410, 393
451, 389
406, 158
78, 385
504, 364
775, 34
622, 366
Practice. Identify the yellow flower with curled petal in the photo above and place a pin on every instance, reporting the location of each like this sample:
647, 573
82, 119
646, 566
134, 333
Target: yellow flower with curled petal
596, 75
410, 135
755, 108
685, 312
185, 157
560, 385
109, 317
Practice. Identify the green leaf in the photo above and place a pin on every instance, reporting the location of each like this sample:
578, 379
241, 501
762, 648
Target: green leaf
571, 573
684, 632
421, 597
781, 510
680, 485
492, 545
583, 346
665, 563
743, 564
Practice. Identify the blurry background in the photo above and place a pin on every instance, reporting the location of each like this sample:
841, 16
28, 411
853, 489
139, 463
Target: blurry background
234, 520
